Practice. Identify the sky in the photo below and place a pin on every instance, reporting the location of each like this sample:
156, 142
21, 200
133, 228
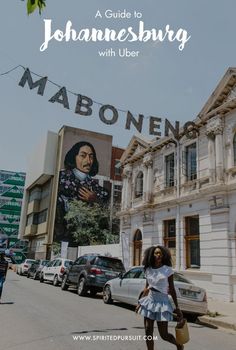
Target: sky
161, 81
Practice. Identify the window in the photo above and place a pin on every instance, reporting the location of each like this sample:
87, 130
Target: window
45, 190
37, 218
42, 216
170, 238
137, 248
35, 194
192, 242
117, 167
169, 233
107, 185
32, 219
170, 170
133, 273
139, 185
81, 261
234, 147
117, 192
191, 162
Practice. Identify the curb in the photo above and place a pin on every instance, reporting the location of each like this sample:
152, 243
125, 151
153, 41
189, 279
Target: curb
218, 322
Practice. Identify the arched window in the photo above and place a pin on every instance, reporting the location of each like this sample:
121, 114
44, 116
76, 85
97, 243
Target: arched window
139, 185
234, 148
137, 252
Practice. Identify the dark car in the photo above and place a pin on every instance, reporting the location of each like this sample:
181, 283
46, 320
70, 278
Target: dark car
90, 272
36, 268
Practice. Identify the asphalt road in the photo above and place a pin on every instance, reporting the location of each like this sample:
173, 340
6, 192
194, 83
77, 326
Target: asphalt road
37, 316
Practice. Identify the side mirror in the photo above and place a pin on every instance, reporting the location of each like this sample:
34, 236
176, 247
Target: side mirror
121, 275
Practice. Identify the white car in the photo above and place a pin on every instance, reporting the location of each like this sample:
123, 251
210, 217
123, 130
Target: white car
22, 269
127, 288
54, 270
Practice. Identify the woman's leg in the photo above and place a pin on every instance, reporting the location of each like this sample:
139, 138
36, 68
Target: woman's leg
1, 286
148, 324
163, 331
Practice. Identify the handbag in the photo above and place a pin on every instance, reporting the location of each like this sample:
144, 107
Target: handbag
182, 333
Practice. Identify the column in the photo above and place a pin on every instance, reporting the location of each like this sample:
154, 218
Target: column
126, 190
149, 182
148, 177
215, 148
145, 183
219, 156
211, 158
124, 182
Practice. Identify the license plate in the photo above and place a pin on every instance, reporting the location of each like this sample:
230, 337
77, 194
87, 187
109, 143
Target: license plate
188, 293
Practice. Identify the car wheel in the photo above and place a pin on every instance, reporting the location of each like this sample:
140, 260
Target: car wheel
55, 281
21, 273
64, 285
41, 278
107, 297
82, 290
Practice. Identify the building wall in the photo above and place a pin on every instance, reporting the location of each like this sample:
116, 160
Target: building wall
52, 152
210, 197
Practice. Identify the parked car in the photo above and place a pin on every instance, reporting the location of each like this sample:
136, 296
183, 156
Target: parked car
127, 288
22, 269
90, 272
54, 270
36, 268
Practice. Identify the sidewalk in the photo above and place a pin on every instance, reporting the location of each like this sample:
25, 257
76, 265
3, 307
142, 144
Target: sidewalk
221, 314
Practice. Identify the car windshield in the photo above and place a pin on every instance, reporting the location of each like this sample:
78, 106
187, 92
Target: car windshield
44, 262
180, 278
67, 263
109, 263
28, 261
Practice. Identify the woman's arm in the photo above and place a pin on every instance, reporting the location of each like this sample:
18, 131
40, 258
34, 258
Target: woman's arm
146, 290
172, 292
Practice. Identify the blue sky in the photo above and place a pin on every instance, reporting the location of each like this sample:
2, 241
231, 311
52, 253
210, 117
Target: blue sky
162, 81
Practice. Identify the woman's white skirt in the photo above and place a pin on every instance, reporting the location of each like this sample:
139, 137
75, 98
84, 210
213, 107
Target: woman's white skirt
156, 306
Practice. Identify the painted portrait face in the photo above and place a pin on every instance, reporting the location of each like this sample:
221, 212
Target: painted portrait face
84, 159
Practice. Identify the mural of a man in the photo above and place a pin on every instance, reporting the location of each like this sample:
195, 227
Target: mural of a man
76, 183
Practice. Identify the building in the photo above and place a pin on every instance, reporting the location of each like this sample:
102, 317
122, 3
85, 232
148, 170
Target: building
40, 222
181, 192
11, 194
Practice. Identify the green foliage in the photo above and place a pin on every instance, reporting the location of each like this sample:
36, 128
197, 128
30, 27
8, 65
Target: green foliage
89, 224
32, 5
56, 248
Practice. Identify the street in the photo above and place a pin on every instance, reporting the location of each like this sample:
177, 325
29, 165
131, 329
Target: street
40, 316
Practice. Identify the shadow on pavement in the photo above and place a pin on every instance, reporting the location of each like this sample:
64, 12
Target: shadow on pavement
7, 303
100, 330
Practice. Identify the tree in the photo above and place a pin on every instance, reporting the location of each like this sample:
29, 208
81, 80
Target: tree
32, 5
89, 224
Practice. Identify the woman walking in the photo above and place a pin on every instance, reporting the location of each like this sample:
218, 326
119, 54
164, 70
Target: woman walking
154, 304
3, 271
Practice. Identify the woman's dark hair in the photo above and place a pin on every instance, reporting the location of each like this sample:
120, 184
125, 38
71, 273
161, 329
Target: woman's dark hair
149, 259
70, 162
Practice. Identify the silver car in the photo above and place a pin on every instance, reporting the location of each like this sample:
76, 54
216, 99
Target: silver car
127, 288
22, 269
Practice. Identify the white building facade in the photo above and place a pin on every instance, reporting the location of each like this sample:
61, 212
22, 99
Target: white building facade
181, 192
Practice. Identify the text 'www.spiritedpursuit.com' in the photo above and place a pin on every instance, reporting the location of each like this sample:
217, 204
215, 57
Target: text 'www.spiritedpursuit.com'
94, 338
